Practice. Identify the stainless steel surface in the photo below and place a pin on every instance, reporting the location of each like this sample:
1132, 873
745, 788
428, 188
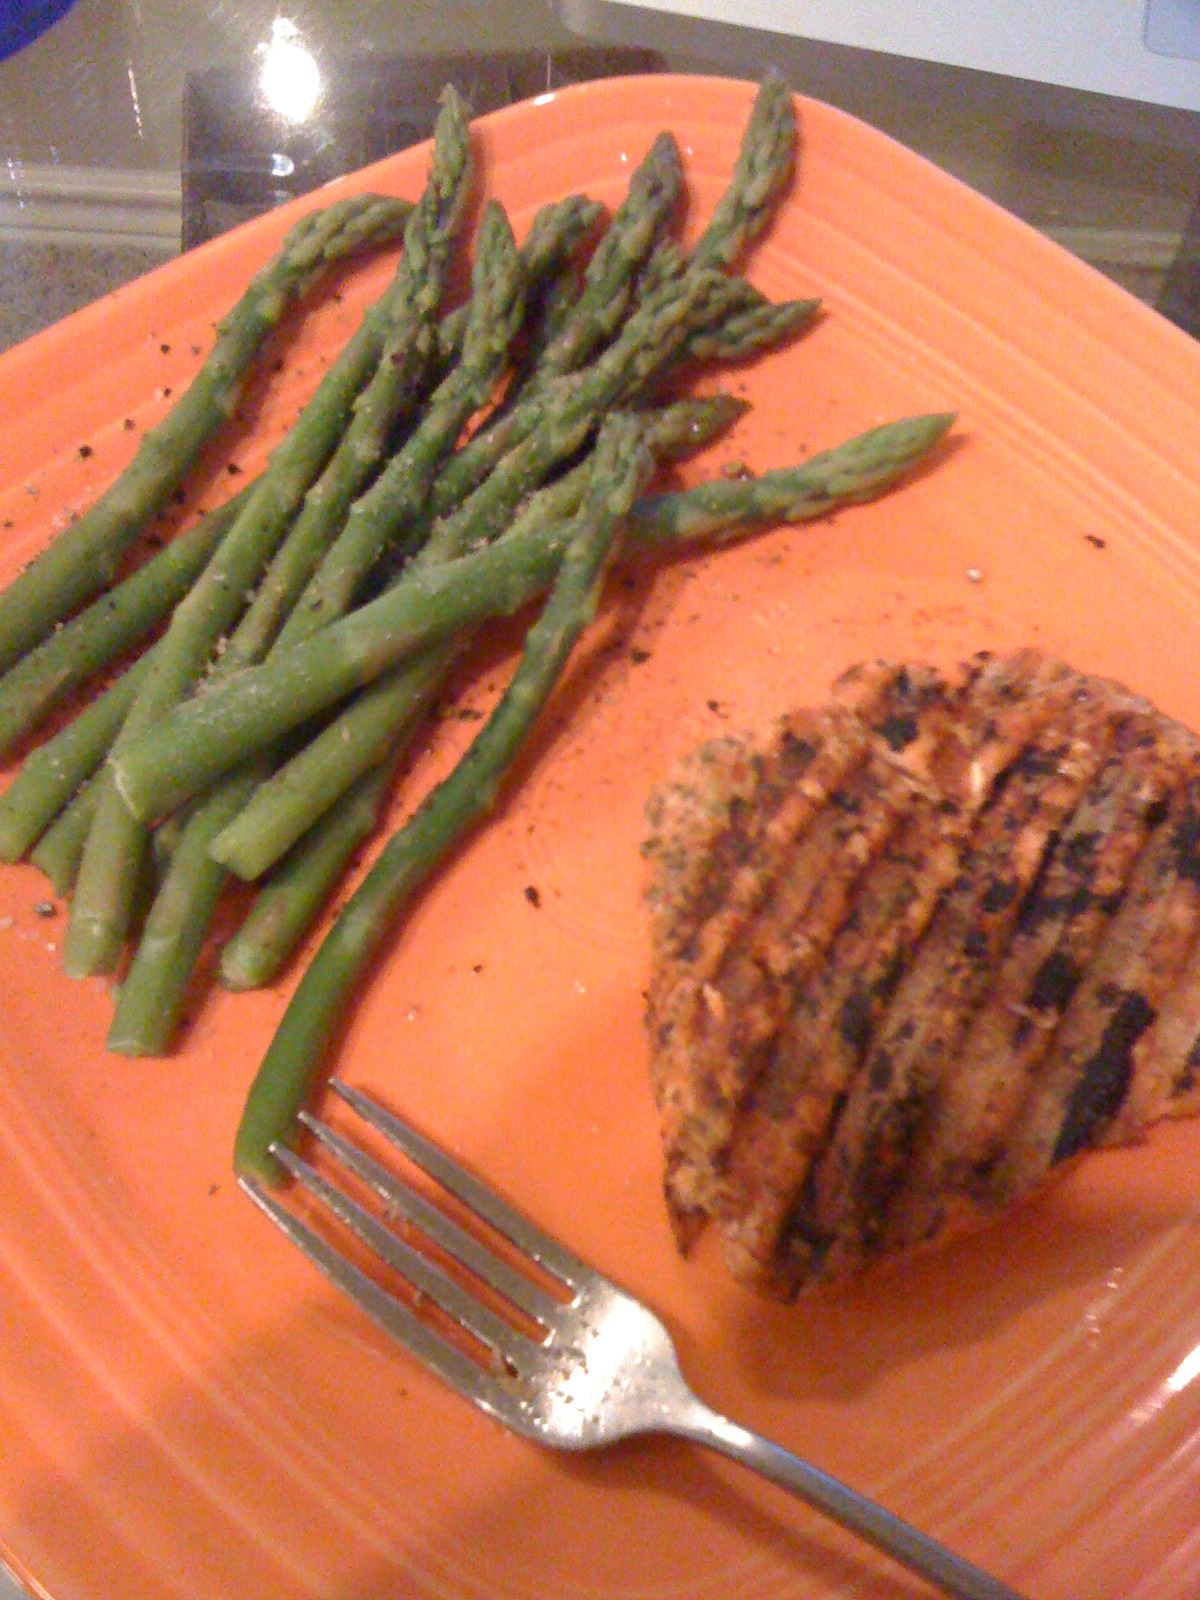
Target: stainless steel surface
573, 1362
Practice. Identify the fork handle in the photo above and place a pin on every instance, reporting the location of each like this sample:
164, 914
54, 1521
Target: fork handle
898, 1538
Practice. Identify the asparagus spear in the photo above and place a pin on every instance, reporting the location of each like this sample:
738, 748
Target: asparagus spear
59, 851
217, 731
110, 625
749, 332
761, 173
553, 424
87, 555
288, 1071
437, 596
609, 285
400, 492
404, 364
302, 794
155, 989
108, 873
305, 789
51, 774
858, 470
292, 898
153, 993
554, 236
610, 277
156, 984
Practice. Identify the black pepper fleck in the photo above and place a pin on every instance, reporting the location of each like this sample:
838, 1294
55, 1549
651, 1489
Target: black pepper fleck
532, 895
898, 731
85, 452
1094, 539
1000, 894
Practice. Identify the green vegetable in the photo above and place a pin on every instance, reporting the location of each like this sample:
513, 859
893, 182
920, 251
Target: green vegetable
554, 236
403, 367
285, 1077
607, 296
749, 332
153, 993
87, 555
610, 279
59, 851
111, 625
155, 987
222, 728
51, 774
400, 492
297, 891
300, 801
760, 177
100, 911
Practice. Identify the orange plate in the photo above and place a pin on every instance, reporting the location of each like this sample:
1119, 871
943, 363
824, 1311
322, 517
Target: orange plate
187, 1410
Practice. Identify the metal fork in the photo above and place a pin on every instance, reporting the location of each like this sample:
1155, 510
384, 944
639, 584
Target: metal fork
575, 1369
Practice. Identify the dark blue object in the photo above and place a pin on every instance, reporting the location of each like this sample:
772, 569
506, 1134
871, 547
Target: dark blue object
22, 21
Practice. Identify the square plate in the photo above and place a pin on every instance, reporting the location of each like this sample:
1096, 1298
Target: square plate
188, 1411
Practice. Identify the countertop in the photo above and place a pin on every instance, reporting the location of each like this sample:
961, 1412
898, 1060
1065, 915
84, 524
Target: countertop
131, 128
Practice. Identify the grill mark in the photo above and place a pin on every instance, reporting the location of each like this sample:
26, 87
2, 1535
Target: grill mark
792, 1110
693, 1111
1058, 930
867, 1156
1098, 1094
821, 1046
1166, 1060
741, 1010
1079, 1095
1083, 961
792, 931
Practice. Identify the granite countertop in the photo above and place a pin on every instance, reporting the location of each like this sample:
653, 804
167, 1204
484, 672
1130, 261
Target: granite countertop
133, 128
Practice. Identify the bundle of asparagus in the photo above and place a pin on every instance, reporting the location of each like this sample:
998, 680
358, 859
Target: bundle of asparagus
305, 629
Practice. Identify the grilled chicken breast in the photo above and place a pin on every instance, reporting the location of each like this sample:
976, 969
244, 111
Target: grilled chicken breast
914, 953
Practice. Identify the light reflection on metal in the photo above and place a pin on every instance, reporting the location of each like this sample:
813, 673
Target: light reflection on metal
289, 78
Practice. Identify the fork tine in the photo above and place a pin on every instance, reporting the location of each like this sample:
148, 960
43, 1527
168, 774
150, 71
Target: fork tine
547, 1252
456, 1241
426, 1343
458, 1303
